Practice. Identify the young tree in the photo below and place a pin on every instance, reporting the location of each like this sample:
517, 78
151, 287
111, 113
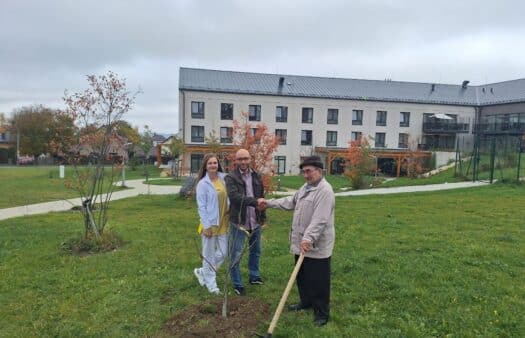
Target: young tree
360, 163
214, 143
176, 148
145, 144
97, 112
414, 163
260, 143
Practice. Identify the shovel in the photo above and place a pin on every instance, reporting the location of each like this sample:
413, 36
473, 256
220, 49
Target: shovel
284, 297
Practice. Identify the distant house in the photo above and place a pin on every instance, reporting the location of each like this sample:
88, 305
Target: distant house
162, 149
6, 139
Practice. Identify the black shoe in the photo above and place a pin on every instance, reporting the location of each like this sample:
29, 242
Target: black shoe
298, 307
239, 290
320, 321
256, 281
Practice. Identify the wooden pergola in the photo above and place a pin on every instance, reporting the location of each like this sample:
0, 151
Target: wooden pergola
397, 155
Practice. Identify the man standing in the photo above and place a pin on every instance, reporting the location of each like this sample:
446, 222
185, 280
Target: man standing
313, 234
244, 187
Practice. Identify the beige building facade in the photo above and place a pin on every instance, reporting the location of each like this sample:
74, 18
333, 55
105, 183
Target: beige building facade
307, 123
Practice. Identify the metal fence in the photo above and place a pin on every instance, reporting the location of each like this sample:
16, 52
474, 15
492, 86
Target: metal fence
496, 157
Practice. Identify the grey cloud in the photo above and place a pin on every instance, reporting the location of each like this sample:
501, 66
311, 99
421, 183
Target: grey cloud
48, 46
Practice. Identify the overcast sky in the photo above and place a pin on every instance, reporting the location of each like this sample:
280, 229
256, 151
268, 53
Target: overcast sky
48, 46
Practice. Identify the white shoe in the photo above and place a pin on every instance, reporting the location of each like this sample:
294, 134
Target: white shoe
215, 291
197, 273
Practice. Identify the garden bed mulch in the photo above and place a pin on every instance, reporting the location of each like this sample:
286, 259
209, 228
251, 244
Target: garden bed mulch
245, 316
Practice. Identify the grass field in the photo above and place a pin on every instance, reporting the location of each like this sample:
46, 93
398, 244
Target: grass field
448, 263
166, 181
37, 184
340, 182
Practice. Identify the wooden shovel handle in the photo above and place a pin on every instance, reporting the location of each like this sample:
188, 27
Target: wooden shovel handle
286, 292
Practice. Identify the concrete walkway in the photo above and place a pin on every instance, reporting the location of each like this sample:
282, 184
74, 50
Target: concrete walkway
139, 188
136, 187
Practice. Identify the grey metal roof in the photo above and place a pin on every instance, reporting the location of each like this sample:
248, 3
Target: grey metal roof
355, 89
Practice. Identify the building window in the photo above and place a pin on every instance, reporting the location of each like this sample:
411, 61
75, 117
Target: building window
281, 134
253, 132
281, 114
226, 134
404, 119
226, 111
308, 115
380, 140
381, 118
306, 137
197, 110
196, 162
357, 117
332, 116
331, 138
197, 133
356, 135
254, 112
403, 140
3, 137
280, 161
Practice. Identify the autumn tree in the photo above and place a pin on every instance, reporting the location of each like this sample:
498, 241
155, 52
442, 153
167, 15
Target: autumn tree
124, 129
176, 147
414, 162
42, 129
260, 142
145, 144
360, 163
97, 112
214, 143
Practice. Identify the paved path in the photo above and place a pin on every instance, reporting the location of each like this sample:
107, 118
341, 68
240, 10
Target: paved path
139, 188
136, 188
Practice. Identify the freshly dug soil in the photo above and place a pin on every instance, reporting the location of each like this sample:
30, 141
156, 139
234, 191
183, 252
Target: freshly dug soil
245, 315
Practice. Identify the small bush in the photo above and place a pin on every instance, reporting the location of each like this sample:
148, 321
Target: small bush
82, 245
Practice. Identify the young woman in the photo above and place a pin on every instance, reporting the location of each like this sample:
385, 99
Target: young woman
213, 205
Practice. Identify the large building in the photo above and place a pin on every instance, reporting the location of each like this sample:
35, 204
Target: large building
320, 115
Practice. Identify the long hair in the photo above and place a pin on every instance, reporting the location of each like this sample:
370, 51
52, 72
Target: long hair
202, 170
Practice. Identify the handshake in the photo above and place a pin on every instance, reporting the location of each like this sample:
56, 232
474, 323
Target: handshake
261, 204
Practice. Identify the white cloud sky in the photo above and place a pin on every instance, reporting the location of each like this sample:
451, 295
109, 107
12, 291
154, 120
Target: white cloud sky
49, 46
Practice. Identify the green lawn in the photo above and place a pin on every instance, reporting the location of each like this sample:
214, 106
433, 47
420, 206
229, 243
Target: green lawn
446, 176
408, 265
36, 184
296, 181
166, 181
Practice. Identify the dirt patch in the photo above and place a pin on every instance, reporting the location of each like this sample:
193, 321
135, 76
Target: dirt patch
245, 315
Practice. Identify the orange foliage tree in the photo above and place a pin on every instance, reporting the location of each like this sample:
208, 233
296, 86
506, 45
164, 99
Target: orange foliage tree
97, 113
414, 163
260, 143
360, 163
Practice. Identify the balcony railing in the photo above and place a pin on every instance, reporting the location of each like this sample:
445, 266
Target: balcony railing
445, 127
501, 128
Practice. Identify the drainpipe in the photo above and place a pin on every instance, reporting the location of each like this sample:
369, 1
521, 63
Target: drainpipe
182, 128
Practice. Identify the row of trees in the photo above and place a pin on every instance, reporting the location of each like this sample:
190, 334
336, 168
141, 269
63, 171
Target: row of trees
43, 130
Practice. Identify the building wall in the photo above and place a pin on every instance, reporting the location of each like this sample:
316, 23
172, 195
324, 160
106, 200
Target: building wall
293, 150
503, 109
